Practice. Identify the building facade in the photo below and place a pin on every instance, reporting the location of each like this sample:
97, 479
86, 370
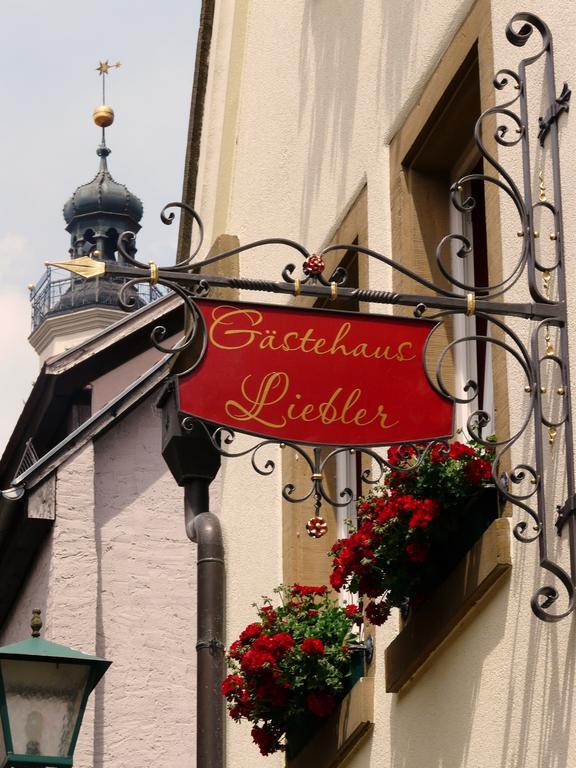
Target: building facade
323, 122
329, 122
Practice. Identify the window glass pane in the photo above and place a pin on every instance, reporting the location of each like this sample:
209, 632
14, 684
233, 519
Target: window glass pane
43, 712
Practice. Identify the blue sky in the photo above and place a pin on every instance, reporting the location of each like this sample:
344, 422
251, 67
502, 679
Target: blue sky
48, 88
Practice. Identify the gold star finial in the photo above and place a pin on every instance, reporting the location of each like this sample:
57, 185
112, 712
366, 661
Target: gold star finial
104, 115
104, 67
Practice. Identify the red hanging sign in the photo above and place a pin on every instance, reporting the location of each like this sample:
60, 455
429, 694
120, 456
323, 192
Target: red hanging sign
315, 376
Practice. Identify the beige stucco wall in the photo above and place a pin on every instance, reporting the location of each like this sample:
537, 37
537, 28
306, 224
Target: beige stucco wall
303, 99
117, 578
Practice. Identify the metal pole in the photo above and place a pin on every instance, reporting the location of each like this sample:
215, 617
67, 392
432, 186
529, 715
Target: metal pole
203, 528
194, 463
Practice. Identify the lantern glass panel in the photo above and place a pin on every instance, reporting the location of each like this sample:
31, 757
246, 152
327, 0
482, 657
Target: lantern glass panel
43, 700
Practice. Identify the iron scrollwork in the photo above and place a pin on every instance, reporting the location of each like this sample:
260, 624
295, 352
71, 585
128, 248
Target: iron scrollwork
542, 358
318, 462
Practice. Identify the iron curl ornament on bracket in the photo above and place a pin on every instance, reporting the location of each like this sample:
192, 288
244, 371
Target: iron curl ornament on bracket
547, 416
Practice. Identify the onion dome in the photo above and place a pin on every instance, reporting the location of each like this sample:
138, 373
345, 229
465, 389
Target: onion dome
98, 212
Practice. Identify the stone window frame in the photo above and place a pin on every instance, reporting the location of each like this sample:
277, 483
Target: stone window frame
303, 562
434, 142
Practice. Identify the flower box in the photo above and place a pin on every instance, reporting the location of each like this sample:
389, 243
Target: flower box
301, 729
293, 665
433, 505
459, 538
482, 570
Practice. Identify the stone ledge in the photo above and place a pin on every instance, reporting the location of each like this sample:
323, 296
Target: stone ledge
433, 622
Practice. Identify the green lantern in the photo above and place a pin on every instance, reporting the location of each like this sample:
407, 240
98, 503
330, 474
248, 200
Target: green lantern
44, 688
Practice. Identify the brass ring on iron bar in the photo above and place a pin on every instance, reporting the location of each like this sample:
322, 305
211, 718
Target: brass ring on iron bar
296, 287
317, 476
470, 304
333, 291
153, 272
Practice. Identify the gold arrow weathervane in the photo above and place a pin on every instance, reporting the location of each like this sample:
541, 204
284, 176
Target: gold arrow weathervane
83, 266
104, 69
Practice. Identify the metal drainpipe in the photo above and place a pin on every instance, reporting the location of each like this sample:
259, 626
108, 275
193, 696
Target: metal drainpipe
194, 462
203, 528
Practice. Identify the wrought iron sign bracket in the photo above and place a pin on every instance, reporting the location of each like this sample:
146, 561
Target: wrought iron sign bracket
544, 358
564, 513
559, 105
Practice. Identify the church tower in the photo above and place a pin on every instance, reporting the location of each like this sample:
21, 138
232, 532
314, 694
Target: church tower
68, 310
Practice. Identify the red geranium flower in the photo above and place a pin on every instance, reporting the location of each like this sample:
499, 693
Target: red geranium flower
321, 703
267, 739
313, 646
281, 643
424, 513
254, 660
241, 709
377, 613
338, 578
269, 614
399, 454
272, 692
234, 650
477, 471
251, 631
232, 684
417, 551
459, 450
440, 453
305, 591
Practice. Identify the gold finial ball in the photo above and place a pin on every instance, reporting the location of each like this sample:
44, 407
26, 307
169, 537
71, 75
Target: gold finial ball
103, 116
36, 623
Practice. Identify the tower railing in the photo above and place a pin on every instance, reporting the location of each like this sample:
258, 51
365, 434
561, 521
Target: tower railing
54, 295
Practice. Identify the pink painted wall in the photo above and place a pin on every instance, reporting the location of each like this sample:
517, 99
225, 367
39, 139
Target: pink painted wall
117, 578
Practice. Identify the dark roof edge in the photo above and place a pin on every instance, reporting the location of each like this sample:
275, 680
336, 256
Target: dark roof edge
107, 336
95, 425
195, 124
41, 389
56, 366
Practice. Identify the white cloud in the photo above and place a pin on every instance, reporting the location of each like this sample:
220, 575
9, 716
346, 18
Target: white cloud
14, 257
12, 246
19, 361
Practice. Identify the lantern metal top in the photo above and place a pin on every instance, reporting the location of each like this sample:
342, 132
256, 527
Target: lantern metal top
37, 648
44, 688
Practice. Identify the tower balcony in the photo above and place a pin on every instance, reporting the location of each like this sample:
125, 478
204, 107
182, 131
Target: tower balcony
54, 295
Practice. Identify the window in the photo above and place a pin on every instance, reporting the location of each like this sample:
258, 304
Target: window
433, 149
472, 362
303, 558
441, 153
347, 467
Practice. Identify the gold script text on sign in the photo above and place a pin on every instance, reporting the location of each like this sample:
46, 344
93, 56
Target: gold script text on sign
236, 328
274, 388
